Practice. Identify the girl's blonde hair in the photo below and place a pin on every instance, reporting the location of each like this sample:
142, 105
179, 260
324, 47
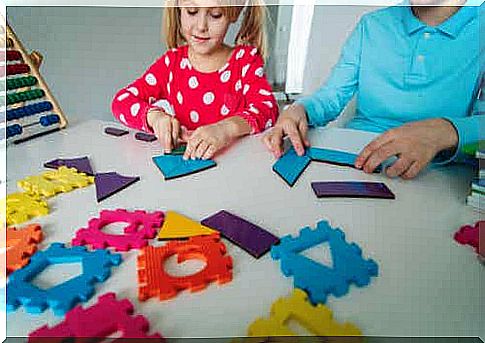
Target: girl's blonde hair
252, 31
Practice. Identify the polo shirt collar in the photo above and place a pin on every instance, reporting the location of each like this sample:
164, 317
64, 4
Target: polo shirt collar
451, 27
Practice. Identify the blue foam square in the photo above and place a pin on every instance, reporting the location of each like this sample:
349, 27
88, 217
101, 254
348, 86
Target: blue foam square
290, 166
174, 166
335, 157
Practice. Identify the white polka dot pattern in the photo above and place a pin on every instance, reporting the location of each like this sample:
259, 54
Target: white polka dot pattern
208, 98
245, 70
224, 110
180, 98
167, 61
151, 79
259, 72
264, 92
123, 96
133, 90
135, 108
246, 89
225, 76
254, 51
170, 77
269, 123
184, 63
122, 118
268, 103
240, 54
238, 86
193, 82
194, 116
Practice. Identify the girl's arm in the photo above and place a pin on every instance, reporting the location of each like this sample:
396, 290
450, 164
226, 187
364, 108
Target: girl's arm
261, 110
131, 104
328, 102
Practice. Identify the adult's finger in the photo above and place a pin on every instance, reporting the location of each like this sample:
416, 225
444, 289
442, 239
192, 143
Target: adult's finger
370, 149
209, 153
413, 170
303, 127
201, 149
399, 167
295, 138
380, 155
274, 141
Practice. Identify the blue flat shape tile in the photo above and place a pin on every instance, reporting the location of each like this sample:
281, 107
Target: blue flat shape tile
290, 166
341, 158
174, 166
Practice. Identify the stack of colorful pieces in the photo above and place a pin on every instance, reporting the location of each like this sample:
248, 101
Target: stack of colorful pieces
31, 108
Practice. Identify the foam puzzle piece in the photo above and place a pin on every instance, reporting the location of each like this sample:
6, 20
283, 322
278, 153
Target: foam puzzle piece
81, 164
108, 184
290, 166
141, 227
250, 237
318, 280
96, 267
113, 131
336, 157
316, 319
155, 282
180, 150
352, 189
470, 235
21, 245
21, 207
178, 226
53, 182
145, 137
98, 322
174, 166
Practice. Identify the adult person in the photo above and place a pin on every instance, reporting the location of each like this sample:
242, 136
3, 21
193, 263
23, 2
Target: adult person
416, 71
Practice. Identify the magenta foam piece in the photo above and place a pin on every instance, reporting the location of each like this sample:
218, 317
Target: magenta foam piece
352, 189
146, 137
250, 237
108, 184
113, 131
81, 164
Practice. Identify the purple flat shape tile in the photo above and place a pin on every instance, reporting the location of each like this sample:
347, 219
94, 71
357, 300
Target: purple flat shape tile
108, 184
113, 131
352, 189
81, 164
250, 237
146, 137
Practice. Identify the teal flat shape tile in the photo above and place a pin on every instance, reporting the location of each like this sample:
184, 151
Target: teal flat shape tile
174, 166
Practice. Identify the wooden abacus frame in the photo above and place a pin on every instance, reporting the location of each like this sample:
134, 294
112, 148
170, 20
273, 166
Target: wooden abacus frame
34, 70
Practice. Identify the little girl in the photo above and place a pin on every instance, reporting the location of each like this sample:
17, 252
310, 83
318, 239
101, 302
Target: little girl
218, 93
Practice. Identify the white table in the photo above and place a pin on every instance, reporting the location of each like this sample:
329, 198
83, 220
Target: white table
428, 285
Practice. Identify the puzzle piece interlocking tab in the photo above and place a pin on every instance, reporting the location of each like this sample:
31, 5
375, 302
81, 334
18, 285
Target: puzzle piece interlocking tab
21, 207
56, 181
318, 320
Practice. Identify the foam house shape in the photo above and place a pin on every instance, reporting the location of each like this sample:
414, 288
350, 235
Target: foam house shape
32, 110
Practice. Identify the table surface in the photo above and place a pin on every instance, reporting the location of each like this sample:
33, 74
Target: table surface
428, 285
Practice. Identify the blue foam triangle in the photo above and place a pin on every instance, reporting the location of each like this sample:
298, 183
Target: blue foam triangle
174, 166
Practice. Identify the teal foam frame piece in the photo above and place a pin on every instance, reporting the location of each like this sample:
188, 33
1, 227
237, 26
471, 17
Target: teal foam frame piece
340, 158
174, 166
290, 166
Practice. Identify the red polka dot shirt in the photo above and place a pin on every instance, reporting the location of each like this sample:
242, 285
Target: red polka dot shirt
239, 88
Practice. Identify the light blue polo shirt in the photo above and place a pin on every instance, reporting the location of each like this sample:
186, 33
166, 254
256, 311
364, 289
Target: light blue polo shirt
403, 70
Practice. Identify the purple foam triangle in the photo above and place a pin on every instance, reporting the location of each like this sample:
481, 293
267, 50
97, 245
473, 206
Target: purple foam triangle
81, 164
108, 184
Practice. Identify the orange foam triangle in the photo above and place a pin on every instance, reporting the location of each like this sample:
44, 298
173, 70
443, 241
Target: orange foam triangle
178, 226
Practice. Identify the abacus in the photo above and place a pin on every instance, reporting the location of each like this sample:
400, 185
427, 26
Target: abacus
32, 110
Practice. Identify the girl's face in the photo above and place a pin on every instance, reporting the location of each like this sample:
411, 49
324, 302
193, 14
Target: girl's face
204, 28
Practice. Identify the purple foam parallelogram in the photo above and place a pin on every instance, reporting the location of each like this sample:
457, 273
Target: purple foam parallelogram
108, 184
145, 137
113, 131
250, 237
81, 164
352, 189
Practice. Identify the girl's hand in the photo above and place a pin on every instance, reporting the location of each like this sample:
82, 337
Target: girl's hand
166, 128
205, 141
292, 122
415, 144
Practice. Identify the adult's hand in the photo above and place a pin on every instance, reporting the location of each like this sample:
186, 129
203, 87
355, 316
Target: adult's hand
415, 145
293, 123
